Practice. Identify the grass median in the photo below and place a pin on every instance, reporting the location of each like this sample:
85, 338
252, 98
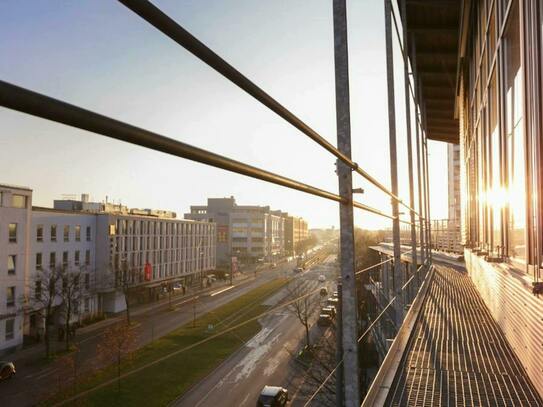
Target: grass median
159, 384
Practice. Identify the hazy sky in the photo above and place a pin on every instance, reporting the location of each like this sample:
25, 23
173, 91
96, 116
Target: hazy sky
101, 56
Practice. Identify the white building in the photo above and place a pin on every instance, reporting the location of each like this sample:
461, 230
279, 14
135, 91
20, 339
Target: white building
15, 220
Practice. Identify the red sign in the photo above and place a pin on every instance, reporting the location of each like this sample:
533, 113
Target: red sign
148, 271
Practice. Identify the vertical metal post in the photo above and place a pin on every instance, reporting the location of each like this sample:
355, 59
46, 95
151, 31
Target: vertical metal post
429, 229
418, 143
343, 118
409, 142
396, 282
424, 177
339, 350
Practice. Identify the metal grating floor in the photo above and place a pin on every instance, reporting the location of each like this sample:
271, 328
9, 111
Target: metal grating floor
457, 355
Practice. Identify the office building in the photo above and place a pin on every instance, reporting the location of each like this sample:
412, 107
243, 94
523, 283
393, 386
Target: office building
296, 233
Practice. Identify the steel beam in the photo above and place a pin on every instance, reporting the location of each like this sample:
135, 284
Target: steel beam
349, 322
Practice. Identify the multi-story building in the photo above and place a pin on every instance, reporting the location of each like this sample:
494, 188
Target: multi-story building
101, 242
250, 233
296, 232
15, 221
453, 177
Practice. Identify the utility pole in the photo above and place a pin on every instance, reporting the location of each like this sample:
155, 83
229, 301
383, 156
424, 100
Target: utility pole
396, 276
349, 323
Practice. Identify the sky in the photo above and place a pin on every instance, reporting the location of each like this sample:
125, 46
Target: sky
101, 56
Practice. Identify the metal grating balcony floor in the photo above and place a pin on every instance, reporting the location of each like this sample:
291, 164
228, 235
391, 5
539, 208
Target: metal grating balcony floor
457, 355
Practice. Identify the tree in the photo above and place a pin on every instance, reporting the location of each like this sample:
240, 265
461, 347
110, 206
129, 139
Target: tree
126, 278
118, 343
43, 297
303, 308
70, 294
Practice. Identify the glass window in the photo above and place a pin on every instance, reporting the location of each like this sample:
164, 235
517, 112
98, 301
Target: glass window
53, 233
52, 260
10, 296
39, 233
77, 233
39, 261
516, 150
12, 263
66, 233
37, 290
87, 281
65, 259
12, 231
76, 258
10, 329
88, 233
496, 194
87, 257
18, 201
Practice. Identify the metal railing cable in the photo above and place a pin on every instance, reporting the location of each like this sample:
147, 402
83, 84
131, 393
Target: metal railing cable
368, 329
169, 27
36, 104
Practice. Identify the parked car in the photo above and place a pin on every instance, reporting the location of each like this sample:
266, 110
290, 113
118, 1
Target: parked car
324, 320
335, 295
272, 396
332, 301
322, 278
330, 310
274, 265
324, 291
298, 270
7, 370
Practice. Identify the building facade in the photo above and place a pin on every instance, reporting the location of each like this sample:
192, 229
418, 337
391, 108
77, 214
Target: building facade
296, 232
248, 232
499, 103
15, 222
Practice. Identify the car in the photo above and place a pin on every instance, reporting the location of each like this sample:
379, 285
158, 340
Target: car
324, 320
335, 294
332, 301
324, 291
298, 270
330, 310
322, 279
272, 396
7, 370
274, 265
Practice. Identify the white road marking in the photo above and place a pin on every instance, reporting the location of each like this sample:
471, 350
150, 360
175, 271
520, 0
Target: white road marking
221, 291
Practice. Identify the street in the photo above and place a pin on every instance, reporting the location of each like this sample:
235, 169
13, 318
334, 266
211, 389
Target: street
268, 357
34, 380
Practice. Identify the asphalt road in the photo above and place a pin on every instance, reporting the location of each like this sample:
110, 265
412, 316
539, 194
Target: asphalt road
267, 358
33, 382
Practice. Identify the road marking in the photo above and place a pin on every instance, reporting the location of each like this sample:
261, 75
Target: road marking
221, 291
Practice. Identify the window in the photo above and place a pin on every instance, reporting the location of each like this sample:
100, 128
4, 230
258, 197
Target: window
64, 259
88, 233
12, 232
77, 233
39, 261
39, 233
10, 296
76, 258
10, 329
516, 150
67, 233
87, 257
12, 263
53, 233
52, 260
87, 281
86, 305
18, 201
37, 290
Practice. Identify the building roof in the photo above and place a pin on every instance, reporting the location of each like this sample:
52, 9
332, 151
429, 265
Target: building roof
9, 186
433, 27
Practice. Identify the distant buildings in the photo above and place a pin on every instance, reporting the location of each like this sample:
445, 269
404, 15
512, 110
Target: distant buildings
250, 233
103, 242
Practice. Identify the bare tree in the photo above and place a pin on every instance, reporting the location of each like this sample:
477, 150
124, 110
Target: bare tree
71, 294
304, 307
43, 298
118, 343
127, 278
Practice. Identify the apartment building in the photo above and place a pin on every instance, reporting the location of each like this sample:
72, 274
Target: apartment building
15, 221
296, 232
247, 232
